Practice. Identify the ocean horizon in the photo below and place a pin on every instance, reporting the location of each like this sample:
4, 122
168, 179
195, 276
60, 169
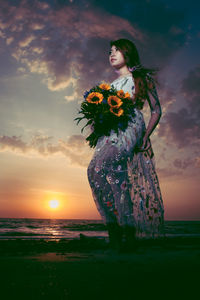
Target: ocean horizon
58, 229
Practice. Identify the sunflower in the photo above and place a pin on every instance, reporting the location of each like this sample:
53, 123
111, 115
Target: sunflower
120, 93
114, 101
95, 97
116, 111
104, 86
127, 95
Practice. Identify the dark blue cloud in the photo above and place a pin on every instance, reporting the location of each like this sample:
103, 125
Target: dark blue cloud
163, 26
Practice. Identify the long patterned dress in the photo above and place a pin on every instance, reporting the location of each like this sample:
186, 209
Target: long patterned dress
124, 182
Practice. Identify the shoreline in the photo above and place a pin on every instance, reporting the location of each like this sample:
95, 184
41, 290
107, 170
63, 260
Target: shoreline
82, 269
89, 244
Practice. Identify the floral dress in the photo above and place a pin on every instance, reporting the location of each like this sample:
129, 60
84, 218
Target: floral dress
124, 182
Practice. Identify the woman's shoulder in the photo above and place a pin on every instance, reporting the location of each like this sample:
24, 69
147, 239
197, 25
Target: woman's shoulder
126, 78
125, 83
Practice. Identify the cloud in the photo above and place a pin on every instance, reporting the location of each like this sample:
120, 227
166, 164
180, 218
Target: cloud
68, 41
26, 41
184, 163
54, 42
74, 148
161, 25
168, 172
13, 143
182, 127
190, 87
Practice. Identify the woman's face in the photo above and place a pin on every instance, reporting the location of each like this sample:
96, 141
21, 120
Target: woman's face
116, 58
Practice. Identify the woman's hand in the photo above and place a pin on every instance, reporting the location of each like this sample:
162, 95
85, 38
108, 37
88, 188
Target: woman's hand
145, 145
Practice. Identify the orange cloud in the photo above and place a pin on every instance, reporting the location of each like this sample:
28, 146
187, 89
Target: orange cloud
74, 148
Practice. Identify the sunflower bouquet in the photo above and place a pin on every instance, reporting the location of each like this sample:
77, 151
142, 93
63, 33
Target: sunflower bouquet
105, 108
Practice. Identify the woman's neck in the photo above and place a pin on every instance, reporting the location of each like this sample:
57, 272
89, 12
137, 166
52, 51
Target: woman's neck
124, 75
123, 72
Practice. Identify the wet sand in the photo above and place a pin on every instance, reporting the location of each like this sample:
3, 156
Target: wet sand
84, 269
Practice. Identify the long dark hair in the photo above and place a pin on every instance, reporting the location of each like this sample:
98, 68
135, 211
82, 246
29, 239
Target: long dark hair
143, 77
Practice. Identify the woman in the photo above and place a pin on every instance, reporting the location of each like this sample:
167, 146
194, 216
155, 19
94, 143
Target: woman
122, 171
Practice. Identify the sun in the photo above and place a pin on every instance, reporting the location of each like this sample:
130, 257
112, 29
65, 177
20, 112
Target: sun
54, 203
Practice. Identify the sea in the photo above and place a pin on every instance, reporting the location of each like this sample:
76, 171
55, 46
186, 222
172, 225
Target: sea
57, 229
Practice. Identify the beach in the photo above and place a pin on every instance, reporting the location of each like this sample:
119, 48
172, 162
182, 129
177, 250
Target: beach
82, 268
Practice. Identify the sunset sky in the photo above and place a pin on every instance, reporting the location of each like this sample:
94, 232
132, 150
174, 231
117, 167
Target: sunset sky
50, 53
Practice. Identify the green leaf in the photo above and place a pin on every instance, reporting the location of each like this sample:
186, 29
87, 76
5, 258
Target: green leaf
89, 122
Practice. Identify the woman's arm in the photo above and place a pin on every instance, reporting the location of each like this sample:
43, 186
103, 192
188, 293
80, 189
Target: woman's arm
156, 113
155, 108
